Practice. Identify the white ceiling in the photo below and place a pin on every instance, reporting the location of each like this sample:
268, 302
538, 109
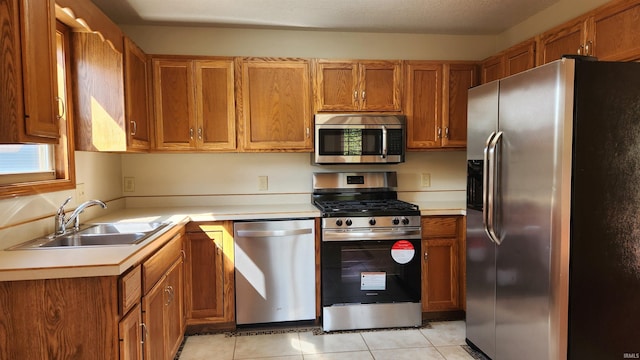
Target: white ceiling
405, 16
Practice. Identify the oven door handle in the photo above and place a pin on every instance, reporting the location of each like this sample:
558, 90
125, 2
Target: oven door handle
342, 235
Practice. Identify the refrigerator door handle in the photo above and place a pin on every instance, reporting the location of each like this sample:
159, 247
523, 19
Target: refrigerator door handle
493, 155
485, 185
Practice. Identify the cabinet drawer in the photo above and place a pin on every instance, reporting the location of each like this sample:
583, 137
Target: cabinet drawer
439, 226
129, 290
157, 265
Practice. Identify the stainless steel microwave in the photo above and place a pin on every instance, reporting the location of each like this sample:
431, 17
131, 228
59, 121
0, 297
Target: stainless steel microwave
359, 139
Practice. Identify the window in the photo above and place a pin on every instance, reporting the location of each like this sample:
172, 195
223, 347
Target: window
36, 168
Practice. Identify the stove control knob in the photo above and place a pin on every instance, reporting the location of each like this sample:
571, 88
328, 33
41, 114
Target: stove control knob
395, 221
348, 222
372, 221
339, 222
405, 221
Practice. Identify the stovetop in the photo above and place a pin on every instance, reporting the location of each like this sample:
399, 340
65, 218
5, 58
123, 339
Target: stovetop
367, 207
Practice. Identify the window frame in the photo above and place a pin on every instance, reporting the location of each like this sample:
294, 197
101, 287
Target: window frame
65, 174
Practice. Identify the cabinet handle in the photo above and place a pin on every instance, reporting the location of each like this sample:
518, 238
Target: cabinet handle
364, 95
580, 48
426, 256
134, 127
308, 132
588, 50
439, 132
199, 133
355, 95
145, 332
61, 105
191, 133
184, 255
446, 133
168, 291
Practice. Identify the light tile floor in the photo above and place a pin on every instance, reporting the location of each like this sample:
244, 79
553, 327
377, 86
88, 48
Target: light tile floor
442, 341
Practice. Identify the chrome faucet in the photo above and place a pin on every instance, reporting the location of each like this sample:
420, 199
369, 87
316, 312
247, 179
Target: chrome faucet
62, 222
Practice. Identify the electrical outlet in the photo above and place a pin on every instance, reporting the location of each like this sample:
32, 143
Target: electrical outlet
129, 184
425, 180
81, 196
263, 183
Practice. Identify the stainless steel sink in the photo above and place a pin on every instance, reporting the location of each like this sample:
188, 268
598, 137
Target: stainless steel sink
103, 234
95, 240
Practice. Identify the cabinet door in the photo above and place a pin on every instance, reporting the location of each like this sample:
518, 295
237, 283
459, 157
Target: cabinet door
174, 104
205, 275
215, 106
275, 100
39, 69
520, 58
336, 86
380, 85
615, 32
136, 75
458, 78
130, 335
174, 314
153, 308
492, 69
423, 104
440, 275
98, 95
567, 39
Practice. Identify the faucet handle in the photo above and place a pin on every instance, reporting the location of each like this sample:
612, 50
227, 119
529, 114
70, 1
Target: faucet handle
61, 208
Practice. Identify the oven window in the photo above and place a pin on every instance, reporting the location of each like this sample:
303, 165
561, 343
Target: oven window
350, 142
366, 272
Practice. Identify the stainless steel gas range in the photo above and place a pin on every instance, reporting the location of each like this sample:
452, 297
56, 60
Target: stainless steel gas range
370, 250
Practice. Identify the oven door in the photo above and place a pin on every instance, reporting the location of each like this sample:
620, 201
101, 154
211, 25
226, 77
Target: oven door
370, 271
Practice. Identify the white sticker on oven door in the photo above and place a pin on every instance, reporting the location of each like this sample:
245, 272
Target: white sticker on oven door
373, 280
402, 251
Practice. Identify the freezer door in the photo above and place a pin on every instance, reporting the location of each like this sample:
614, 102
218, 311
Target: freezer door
482, 118
534, 192
480, 268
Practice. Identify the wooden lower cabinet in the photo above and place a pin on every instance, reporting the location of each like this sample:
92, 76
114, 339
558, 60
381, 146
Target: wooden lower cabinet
209, 276
162, 305
131, 335
443, 263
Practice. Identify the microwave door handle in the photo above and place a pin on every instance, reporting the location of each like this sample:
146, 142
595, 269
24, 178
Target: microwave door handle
384, 142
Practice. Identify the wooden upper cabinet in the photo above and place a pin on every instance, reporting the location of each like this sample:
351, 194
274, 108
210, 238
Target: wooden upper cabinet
174, 100
136, 76
520, 57
28, 101
194, 104
372, 85
274, 105
458, 78
615, 31
492, 69
98, 78
436, 103
566, 39
215, 106
423, 104
515, 59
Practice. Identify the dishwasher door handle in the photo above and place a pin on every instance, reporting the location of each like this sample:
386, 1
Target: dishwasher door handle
273, 233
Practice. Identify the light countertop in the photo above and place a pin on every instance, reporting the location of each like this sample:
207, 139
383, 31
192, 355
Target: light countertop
32, 264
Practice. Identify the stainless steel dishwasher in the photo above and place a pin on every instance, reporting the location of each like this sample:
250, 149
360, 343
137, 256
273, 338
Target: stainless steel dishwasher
275, 271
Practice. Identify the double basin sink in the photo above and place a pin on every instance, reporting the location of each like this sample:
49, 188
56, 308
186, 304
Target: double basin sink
105, 234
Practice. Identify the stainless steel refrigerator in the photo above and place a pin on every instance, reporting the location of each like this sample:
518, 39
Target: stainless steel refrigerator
553, 214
